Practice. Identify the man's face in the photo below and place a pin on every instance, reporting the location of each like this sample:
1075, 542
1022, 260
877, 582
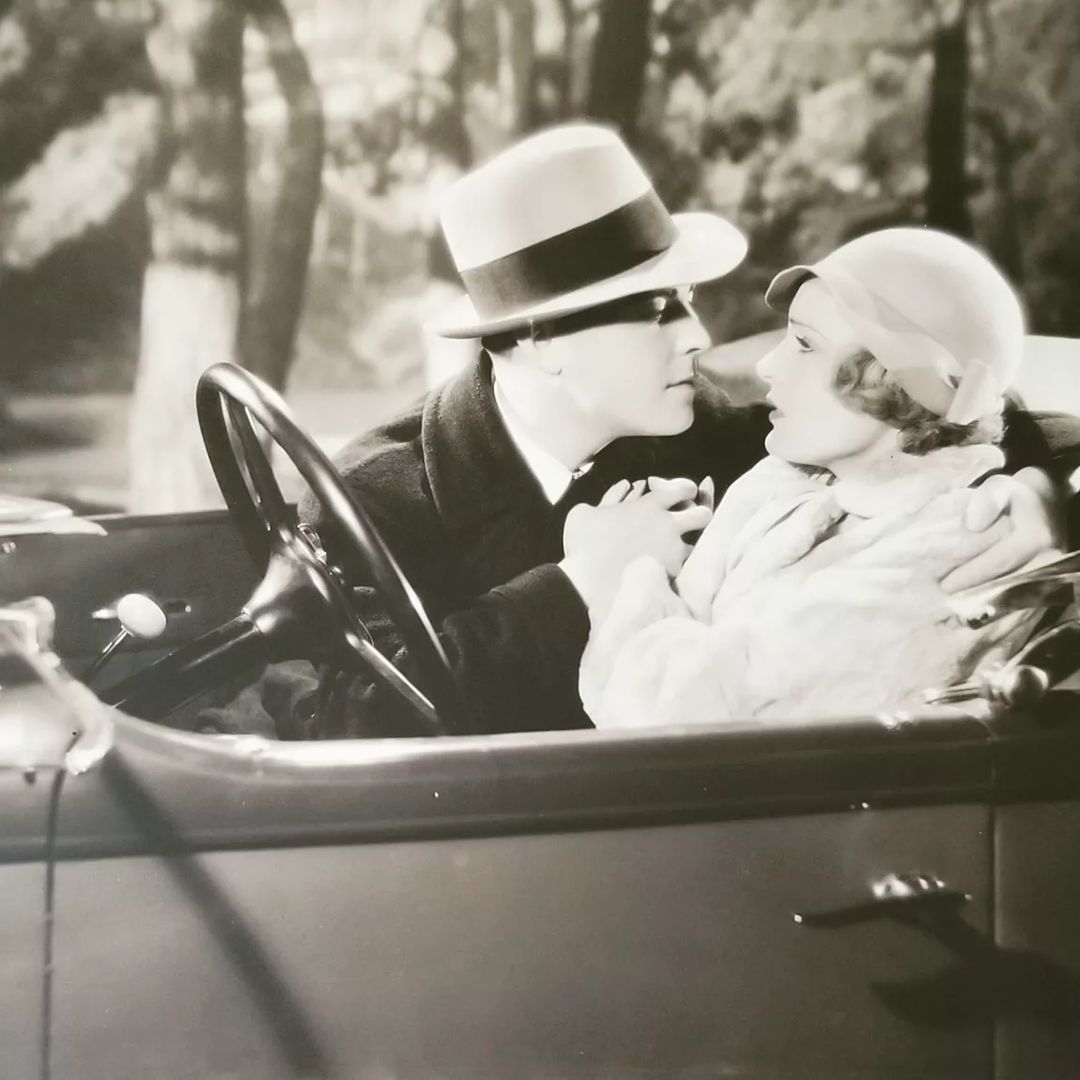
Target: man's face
629, 365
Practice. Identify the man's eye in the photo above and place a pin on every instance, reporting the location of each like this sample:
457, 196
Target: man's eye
672, 305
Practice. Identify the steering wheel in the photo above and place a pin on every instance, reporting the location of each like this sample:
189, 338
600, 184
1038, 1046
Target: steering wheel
303, 606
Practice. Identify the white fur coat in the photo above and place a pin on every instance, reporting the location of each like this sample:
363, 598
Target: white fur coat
803, 598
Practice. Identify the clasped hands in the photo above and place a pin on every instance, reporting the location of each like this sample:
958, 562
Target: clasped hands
647, 517
1019, 516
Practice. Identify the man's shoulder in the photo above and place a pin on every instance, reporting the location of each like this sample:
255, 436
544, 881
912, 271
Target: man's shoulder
1047, 440
383, 469
1058, 431
385, 452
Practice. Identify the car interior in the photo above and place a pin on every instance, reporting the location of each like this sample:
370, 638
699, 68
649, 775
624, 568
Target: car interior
273, 597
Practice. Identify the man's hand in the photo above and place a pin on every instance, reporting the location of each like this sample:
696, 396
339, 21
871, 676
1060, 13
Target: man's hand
1022, 519
630, 521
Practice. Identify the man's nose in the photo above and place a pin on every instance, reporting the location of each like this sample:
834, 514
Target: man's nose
691, 335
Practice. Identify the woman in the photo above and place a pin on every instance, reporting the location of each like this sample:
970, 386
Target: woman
815, 589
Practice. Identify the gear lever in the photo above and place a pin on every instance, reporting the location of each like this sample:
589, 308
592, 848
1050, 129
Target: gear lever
140, 618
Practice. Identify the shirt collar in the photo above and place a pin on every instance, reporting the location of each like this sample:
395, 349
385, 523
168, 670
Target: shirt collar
551, 474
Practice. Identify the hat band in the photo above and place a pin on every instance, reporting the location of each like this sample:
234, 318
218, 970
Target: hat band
587, 254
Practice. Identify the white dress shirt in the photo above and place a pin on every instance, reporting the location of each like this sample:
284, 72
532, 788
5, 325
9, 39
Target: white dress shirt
551, 474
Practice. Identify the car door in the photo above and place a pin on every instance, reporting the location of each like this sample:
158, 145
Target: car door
37, 725
576, 905
24, 801
163, 556
1037, 882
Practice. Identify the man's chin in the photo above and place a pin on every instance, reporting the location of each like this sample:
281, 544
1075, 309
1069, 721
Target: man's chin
664, 421
675, 422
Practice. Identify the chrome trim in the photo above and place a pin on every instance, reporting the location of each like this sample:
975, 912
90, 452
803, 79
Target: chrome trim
1055, 582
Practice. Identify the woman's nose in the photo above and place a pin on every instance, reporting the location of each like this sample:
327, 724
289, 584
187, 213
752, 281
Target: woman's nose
767, 366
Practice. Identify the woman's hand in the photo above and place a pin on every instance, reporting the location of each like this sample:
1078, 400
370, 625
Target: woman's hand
1022, 517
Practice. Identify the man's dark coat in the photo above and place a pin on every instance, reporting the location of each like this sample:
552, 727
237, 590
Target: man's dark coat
474, 533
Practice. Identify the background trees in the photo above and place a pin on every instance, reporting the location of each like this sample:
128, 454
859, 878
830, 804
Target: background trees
167, 166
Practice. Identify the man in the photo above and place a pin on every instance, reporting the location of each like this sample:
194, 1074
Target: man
577, 281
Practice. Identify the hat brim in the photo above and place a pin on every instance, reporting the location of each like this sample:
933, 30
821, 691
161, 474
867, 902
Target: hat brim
786, 284
707, 247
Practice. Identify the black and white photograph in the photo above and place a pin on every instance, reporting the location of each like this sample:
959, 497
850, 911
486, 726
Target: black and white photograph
539, 540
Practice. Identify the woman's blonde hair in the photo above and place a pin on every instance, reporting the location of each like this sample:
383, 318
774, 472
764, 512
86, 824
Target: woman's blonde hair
862, 379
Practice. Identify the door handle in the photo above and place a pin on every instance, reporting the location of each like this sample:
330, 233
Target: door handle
982, 980
910, 898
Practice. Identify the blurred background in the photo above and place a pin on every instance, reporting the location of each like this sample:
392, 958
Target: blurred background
188, 181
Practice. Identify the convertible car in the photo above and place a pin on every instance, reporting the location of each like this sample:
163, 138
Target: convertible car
895, 896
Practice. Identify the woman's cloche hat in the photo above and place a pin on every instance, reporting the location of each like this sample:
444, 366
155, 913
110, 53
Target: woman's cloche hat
937, 314
565, 220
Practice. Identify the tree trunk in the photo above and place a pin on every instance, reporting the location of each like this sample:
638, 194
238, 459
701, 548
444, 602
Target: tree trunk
276, 283
566, 81
457, 27
620, 54
1004, 241
194, 283
439, 263
946, 130
520, 57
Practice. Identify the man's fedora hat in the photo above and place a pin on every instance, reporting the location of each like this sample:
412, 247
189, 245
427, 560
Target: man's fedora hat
937, 314
566, 220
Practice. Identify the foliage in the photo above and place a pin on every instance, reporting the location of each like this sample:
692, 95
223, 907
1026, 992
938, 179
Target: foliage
1027, 112
805, 121
80, 180
60, 62
79, 122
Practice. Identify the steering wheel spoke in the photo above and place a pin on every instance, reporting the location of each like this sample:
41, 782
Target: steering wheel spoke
373, 660
262, 485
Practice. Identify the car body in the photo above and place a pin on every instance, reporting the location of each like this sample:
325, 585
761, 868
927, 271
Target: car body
888, 896
883, 897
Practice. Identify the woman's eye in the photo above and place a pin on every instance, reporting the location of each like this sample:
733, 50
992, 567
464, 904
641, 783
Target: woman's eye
804, 345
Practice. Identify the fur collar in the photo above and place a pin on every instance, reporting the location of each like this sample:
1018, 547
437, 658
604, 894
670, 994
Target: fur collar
908, 481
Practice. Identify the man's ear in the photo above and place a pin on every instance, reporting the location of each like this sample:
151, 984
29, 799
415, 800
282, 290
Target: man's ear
539, 346
531, 349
